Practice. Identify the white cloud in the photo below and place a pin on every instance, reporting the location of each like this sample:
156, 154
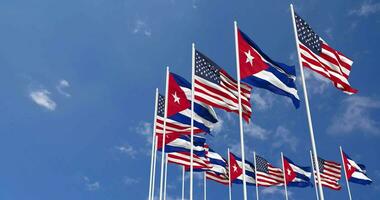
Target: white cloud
355, 115
41, 97
283, 137
256, 131
274, 191
127, 149
329, 34
366, 8
261, 101
218, 126
146, 130
141, 27
91, 186
130, 181
317, 83
61, 86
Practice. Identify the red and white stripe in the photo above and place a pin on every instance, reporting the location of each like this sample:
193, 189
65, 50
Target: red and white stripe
183, 158
331, 64
220, 178
174, 127
274, 177
330, 175
224, 95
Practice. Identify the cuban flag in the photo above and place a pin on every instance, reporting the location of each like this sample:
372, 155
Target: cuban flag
295, 175
258, 70
236, 170
355, 172
204, 115
218, 171
178, 151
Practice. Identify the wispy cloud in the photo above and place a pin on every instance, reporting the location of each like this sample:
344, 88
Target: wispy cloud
90, 185
329, 34
355, 114
261, 100
317, 83
146, 130
366, 8
127, 149
256, 131
62, 85
130, 180
42, 98
141, 27
283, 137
275, 191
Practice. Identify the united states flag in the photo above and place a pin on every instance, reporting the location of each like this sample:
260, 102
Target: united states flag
172, 126
266, 174
215, 87
330, 173
317, 55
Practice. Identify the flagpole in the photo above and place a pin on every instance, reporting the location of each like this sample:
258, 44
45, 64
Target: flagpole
345, 173
153, 143
315, 181
229, 175
240, 111
204, 186
192, 119
166, 175
154, 165
283, 169
310, 123
164, 133
257, 184
183, 182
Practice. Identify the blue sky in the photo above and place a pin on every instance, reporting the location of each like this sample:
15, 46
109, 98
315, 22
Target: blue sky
78, 80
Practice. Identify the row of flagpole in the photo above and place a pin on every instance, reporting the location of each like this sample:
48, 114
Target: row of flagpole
313, 153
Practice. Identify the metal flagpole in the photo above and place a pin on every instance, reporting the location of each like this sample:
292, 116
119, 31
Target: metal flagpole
204, 186
164, 134
257, 184
229, 176
240, 111
315, 181
183, 182
283, 169
154, 166
192, 120
345, 173
166, 175
153, 143
313, 145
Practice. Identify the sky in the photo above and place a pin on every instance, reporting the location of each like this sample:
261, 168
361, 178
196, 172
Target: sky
78, 79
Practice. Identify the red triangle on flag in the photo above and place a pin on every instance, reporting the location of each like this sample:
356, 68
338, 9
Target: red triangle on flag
235, 169
177, 100
290, 175
250, 60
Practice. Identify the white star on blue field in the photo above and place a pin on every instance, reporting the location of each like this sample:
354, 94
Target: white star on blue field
78, 80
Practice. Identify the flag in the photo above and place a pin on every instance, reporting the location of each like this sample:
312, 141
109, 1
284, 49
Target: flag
178, 152
204, 115
172, 126
267, 175
295, 175
258, 70
330, 174
218, 171
220, 178
217, 162
355, 172
236, 171
317, 55
215, 87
